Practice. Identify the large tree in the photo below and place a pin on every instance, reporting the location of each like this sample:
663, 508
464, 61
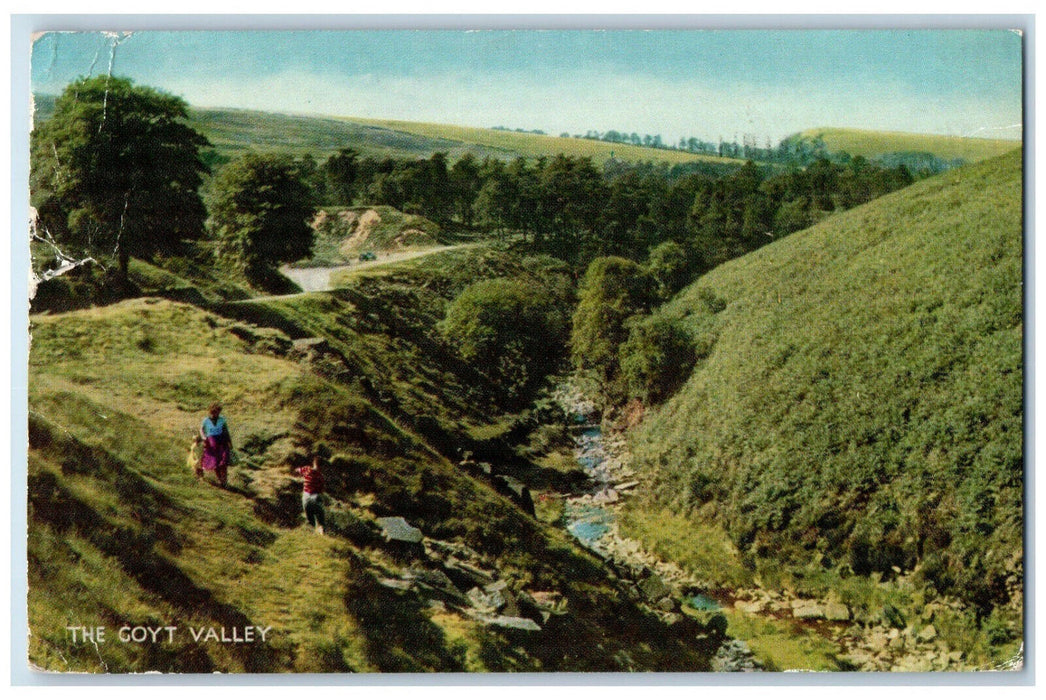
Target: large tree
260, 208
116, 171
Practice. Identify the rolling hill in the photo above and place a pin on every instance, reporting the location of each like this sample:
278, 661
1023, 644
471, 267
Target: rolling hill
876, 144
858, 408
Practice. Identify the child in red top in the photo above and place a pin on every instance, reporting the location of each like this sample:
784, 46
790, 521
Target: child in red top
312, 493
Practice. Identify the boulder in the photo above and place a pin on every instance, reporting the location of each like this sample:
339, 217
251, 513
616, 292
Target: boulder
927, 634
807, 610
518, 623
486, 602
399, 530
666, 604
836, 612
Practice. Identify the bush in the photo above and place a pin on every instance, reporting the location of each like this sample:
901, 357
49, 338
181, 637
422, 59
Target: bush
656, 359
505, 327
613, 290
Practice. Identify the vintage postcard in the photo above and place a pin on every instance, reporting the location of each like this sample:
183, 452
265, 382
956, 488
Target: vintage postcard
518, 350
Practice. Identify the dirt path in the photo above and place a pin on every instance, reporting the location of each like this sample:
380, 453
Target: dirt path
318, 279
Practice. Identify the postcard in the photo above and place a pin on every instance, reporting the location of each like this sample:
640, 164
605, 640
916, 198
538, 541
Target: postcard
526, 350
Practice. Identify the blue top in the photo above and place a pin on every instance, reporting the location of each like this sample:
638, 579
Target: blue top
212, 429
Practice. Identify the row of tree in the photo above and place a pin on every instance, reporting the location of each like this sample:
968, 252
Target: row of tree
567, 207
117, 173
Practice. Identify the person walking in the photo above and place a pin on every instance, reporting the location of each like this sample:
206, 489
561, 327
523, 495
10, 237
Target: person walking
312, 494
217, 444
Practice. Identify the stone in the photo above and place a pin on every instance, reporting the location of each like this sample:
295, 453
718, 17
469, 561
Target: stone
928, 634
552, 602
484, 601
498, 585
519, 623
836, 612
807, 610
666, 604
626, 486
399, 530
897, 643
754, 607
395, 583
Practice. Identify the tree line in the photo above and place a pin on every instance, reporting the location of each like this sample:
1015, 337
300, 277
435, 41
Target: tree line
117, 172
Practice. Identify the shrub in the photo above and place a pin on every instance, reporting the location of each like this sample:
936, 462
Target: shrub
656, 358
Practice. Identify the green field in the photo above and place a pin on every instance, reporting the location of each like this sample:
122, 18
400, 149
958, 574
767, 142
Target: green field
858, 406
534, 145
870, 144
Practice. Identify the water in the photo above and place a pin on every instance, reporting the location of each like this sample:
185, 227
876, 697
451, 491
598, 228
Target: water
700, 602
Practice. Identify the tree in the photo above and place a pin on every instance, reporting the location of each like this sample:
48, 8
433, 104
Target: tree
656, 358
259, 212
116, 171
341, 171
613, 290
508, 329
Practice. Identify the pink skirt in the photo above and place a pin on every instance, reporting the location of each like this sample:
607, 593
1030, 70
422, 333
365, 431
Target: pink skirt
215, 454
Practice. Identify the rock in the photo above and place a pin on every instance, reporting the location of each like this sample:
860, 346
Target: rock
754, 607
395, 583
807, 610
653, 587
485, 602
626, 486
552, 602
498, 585
897, 643
399, 530
836, 612
928, 634
518, 623
473, 573
434, 579
666, 604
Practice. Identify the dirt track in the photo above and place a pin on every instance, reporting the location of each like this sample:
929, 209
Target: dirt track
318, 279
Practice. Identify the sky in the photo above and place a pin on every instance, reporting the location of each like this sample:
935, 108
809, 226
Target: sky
708, 84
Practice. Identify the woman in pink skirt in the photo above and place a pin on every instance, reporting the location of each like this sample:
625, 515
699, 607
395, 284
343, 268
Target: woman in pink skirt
217, 444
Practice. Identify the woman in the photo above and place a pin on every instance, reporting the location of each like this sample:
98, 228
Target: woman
312, 494
217, 444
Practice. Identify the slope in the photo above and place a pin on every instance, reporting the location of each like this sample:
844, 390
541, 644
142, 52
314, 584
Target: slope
858, 404
875, 144
123, 535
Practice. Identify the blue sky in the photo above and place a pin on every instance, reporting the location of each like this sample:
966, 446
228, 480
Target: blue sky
708, 84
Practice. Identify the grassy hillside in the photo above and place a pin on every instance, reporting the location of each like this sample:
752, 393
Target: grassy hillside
534, 145
121, 533
233, 131
872, 144
858, 407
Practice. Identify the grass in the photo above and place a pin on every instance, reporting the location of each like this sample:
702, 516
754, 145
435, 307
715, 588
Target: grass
858, 142
861, 404
121, 532
512, 143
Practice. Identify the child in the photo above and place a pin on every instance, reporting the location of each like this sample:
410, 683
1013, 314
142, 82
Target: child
193, 458
312, 494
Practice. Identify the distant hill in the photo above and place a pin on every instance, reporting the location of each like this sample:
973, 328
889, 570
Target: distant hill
235, 130
877, 144
859, 401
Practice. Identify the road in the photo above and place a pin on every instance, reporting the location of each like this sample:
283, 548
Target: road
318, 279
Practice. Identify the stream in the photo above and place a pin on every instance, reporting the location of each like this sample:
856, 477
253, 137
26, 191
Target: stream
590, 518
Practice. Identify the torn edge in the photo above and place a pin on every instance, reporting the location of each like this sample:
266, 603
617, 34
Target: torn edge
64, 262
